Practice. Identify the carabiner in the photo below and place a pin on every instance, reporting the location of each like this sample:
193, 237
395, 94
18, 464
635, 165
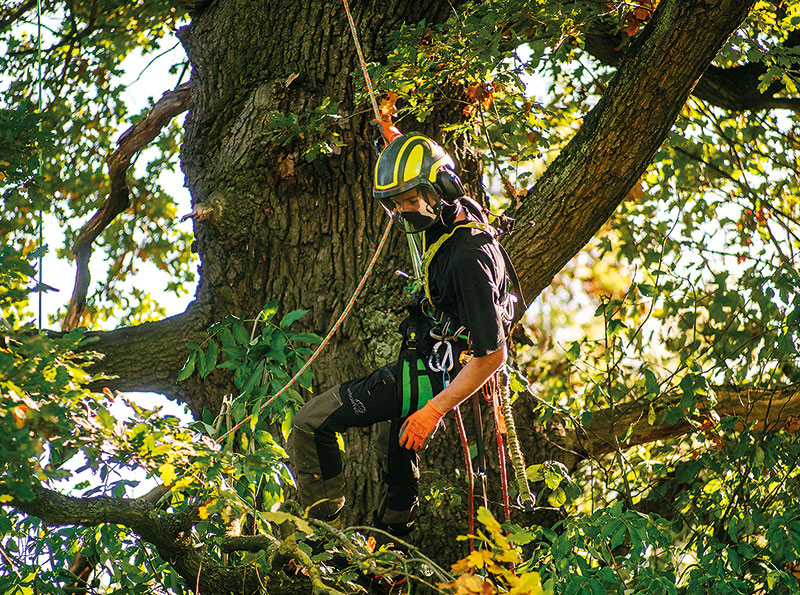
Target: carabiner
443, 363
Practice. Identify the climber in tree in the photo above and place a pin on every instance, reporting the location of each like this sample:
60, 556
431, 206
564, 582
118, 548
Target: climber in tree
453, 340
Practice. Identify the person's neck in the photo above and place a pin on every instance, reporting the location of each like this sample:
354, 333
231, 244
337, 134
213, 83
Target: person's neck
439, 228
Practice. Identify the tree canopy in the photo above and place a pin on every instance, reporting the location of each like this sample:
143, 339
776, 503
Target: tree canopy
648, 153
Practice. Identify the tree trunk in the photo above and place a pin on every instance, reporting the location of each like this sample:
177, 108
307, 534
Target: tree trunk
278, 227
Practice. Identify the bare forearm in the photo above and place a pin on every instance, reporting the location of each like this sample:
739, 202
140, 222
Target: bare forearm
471, 377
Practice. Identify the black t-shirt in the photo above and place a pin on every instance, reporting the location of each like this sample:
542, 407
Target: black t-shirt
468, 282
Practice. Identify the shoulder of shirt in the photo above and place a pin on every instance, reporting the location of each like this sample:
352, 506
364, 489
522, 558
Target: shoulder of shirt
471, 244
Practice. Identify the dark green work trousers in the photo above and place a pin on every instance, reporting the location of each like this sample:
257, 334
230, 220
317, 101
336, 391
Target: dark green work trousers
383, 398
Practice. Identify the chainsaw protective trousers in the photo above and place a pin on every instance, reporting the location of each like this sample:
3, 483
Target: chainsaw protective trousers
317, 460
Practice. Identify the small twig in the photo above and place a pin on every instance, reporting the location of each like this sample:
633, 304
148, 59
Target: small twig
10, 562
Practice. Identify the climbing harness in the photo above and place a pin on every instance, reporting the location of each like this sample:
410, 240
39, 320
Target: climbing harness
417, 388
495, 391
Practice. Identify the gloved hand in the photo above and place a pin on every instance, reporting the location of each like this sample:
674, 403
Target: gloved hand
419, 425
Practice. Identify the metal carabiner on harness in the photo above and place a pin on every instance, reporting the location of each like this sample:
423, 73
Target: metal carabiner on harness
443, 363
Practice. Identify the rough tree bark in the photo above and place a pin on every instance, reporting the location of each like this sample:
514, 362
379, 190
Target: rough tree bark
277, 227
280, 228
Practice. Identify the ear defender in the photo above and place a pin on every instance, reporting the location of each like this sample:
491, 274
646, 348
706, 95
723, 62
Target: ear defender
449, 184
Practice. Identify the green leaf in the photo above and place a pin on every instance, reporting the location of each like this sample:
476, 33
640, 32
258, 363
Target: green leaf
552, 479
574, 351
647, 290
105, 418
255, 376
618, 537
312, 338
291, 317
188, 367
615, 326
210, 359
270, 310
758, 458
226, 336
241, 335
557, 498
534, 473
651, 384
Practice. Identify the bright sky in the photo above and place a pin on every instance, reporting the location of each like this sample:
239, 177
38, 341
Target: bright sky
142, 89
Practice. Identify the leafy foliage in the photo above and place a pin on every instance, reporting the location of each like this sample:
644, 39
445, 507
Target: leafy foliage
692, 285
56, 430
84, 47
263, 364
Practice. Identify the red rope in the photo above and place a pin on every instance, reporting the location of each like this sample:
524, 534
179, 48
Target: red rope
501, 451
462, 432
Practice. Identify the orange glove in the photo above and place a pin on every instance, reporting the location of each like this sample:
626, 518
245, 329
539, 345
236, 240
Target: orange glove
419, 425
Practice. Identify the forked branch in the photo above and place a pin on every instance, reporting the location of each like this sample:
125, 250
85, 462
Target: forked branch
131, 142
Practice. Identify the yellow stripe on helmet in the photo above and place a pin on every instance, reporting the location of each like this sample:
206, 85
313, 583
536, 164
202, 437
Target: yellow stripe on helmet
413, 163
435, 169
399, 159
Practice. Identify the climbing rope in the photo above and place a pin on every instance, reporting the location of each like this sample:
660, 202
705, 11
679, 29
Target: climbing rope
367, 272
327, 338
41, 104
526, 498
362, 61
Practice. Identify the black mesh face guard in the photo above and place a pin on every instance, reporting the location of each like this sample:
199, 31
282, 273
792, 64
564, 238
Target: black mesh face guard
417, 221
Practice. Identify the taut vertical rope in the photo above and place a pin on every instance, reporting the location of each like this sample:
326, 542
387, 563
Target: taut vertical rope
41, 104
362, 61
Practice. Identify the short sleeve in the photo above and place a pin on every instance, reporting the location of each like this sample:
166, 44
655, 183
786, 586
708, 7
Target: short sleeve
478, 280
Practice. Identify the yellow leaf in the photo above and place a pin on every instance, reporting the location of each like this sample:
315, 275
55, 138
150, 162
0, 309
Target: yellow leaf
183, 482
479, 558
460, 567
20, 412
469, 584
167, 473
509, 556
202, 512
529, 583
487, 519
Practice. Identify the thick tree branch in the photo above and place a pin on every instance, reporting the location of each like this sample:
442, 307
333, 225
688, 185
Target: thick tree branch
132, 141
617, 141
168, 533
81, 566
147, 357
769, 408
734, 89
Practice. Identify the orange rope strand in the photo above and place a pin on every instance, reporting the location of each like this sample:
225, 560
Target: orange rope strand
362, 61
327, 338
